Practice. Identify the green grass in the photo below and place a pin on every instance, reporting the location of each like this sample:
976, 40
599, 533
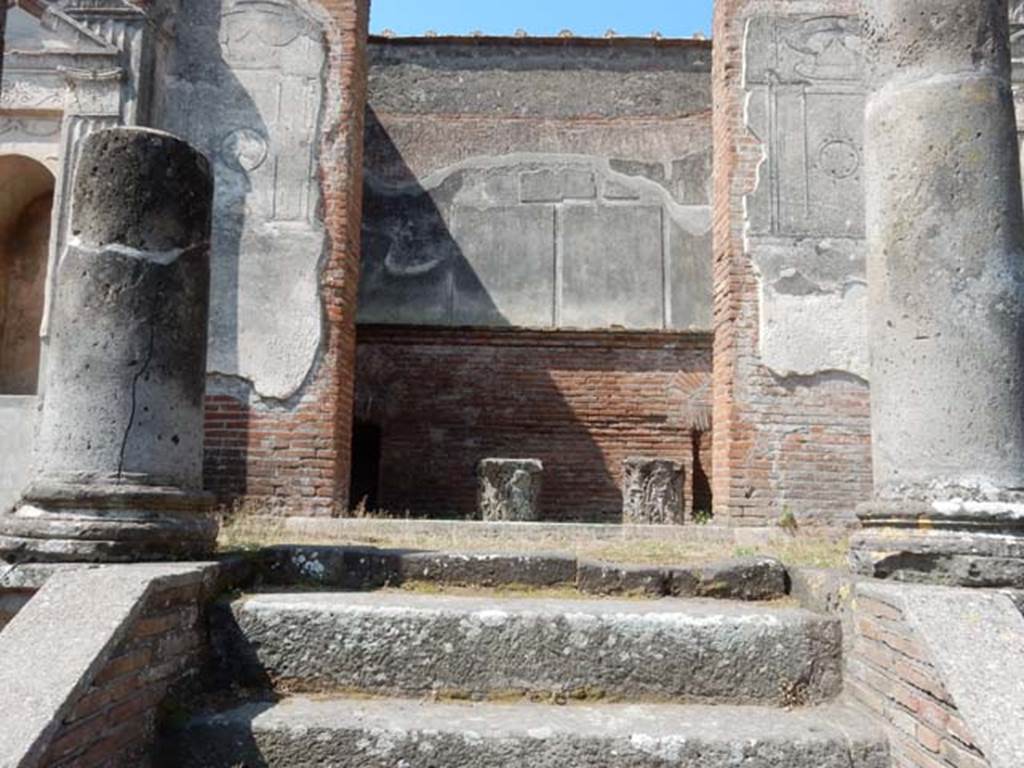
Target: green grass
803, 548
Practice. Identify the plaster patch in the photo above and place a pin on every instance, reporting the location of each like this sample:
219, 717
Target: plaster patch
803, 335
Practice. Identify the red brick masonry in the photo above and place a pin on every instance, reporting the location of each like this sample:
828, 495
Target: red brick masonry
113, 721
890, 671
581, 402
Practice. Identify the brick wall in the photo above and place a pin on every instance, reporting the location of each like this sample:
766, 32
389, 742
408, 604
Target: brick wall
889, 671
113, 721
797, 444
580, 402
295, 455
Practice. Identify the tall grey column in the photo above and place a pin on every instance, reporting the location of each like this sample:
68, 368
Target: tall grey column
3, 32
119, 449
946, 287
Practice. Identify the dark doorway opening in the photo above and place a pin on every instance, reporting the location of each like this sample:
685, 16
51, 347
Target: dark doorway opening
366, 454
701, 484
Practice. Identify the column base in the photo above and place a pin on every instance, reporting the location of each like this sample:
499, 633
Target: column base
108, 523
953, 543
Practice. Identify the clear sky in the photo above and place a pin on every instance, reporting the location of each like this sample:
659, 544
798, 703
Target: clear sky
673, 18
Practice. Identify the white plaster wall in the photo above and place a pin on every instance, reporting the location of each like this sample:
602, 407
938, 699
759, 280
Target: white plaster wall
17, 428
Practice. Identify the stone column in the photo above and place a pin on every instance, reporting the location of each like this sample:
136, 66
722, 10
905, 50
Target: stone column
946, 288
120, 447
3, 32
509, 489
652, 492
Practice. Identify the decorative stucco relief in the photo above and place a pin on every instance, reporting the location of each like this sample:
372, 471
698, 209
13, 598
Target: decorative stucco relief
805, 219
247, 87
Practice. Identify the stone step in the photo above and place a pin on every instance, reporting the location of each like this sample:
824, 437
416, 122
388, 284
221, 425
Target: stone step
361, 568
301, 732
700, 651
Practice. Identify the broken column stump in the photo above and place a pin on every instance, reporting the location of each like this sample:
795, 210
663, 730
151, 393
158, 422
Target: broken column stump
118, 473
652, 492
946, 297
509, 489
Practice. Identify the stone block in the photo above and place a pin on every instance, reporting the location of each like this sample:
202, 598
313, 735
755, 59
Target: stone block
332, 567
506, 275
555, 185
753, 578
613, 270
597, 578
822, 590
412, 644
304, 732
652, 492
488, 569
509, 489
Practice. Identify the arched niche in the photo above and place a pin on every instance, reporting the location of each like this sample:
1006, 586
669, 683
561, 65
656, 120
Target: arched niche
26, 203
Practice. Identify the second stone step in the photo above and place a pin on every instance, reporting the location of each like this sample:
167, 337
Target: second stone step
701, 651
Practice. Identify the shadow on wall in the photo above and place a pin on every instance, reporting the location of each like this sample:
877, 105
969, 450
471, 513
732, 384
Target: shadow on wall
414, 270
209, 104
446, 377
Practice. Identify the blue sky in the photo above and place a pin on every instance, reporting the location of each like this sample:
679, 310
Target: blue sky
673, 18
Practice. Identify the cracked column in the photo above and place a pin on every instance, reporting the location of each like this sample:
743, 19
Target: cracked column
119, 450
946, 304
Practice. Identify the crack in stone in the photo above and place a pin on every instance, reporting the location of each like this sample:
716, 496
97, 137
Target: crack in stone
135, 385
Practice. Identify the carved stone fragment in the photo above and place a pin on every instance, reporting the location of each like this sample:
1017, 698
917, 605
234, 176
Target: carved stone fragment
652, 492
510, 489
119, 451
